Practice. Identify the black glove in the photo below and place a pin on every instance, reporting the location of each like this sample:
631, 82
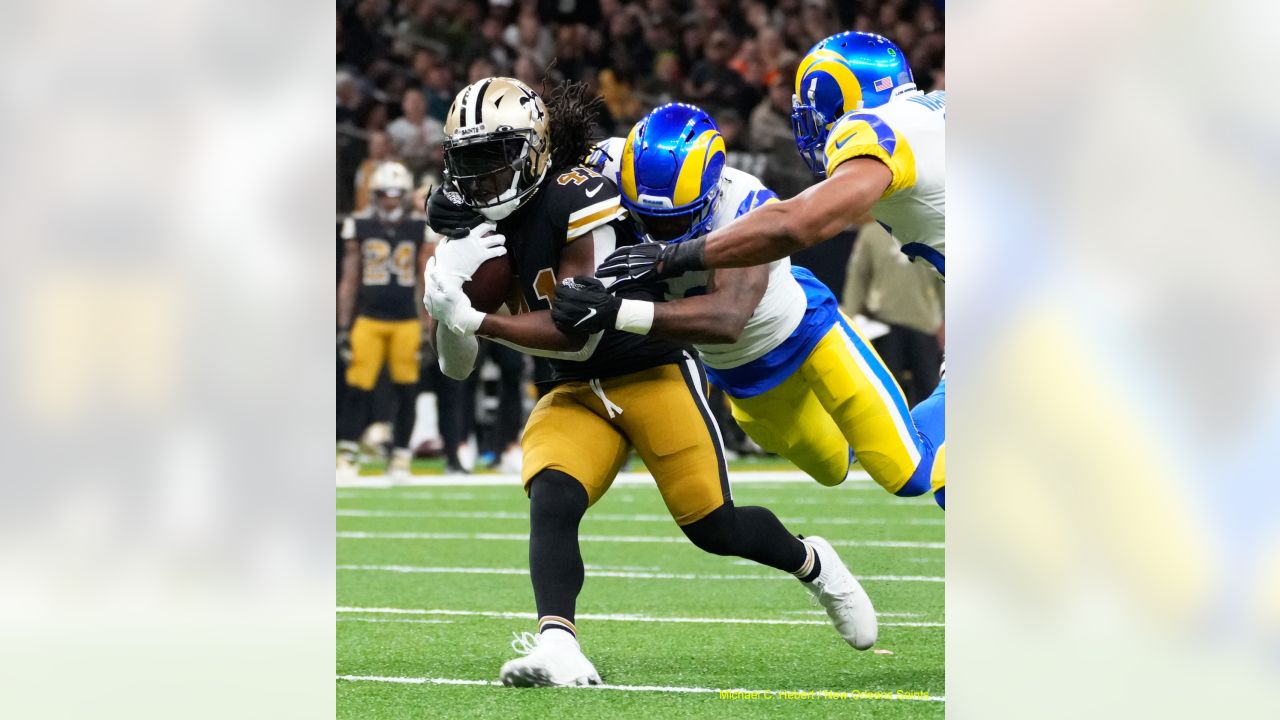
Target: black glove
652, 261
582, 305
448, 215
344, 346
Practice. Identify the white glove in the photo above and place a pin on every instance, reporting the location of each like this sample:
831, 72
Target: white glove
461, 257
432, 278
450, 306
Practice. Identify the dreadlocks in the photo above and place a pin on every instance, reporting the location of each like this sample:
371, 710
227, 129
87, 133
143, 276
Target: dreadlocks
574, 110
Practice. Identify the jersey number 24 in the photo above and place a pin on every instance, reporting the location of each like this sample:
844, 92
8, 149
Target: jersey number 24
381, 262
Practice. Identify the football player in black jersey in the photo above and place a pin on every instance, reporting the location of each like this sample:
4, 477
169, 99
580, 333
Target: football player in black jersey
379, 318
517, 164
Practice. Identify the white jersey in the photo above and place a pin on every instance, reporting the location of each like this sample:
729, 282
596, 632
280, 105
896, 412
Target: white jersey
908, 135
783, 304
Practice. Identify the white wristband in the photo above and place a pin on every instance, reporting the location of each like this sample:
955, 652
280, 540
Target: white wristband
635, 316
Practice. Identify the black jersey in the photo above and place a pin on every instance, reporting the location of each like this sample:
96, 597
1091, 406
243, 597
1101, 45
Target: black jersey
389, 264
568, 206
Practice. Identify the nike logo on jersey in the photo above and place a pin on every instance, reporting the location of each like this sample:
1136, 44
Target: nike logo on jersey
593, 193
591, 312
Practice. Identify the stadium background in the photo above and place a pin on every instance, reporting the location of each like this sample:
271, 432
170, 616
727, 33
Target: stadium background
400, 63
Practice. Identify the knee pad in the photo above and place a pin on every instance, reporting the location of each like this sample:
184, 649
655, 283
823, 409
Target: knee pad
715, 532
833, 479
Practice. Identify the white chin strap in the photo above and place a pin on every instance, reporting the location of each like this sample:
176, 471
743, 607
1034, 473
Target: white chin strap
511, 199
501, 210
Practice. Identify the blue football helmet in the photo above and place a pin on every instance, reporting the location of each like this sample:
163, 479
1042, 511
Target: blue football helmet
846, 72
670, 172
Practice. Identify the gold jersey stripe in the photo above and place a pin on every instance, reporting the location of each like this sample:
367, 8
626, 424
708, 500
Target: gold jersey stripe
581, 225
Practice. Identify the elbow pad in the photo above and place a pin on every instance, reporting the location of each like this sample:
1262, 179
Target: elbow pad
457, 352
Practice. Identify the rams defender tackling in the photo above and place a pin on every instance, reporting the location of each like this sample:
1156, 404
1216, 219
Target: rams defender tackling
860, 123
802, 381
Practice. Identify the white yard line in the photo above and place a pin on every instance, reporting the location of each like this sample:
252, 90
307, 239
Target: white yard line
418, 622
617, 617
621, 574
626, 478
357, 535
615, 517
820, 613
817, 695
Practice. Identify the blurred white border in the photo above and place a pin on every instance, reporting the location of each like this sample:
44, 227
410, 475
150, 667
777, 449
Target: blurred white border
167, 176
1113, 352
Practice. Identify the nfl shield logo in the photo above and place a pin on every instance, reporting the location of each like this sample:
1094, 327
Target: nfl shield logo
883, 83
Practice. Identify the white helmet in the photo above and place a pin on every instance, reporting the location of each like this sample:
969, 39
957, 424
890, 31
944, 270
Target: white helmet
497, 145
391, 179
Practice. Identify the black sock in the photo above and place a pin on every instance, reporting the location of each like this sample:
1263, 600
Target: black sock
754, 533
406, 414
557, 503
354, 417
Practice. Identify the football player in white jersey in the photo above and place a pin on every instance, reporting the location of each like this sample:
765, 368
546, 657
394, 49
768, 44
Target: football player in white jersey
801, 380
860, 123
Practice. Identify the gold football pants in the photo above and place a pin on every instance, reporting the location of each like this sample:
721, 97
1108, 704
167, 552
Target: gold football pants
374, 342
584, 430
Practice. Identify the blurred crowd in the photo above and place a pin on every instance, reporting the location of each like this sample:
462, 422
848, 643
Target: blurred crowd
400, 63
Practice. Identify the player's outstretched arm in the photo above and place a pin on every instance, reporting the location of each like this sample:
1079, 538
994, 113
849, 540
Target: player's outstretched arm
715, 317
777, 230
770, 232
718, 316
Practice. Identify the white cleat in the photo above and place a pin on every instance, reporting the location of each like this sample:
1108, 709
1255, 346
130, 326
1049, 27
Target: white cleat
551, 659
399, 468
512, 461
348, 469
842, 597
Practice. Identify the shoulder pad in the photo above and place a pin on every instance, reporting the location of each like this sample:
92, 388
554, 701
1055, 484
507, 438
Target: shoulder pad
585, 200
936, 100
605, 156
755, 199
865, 133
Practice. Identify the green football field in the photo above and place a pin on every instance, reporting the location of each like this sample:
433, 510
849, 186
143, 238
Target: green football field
432, 582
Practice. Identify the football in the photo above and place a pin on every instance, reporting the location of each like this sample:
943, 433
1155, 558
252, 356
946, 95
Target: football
490, 285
